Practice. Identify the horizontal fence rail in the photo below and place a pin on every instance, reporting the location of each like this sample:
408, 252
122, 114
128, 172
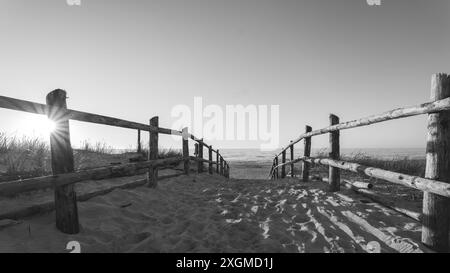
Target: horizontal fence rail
426, 108
64, 176
435, 215
415, 182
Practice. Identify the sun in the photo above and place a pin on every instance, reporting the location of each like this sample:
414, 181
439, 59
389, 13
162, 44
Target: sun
36, 126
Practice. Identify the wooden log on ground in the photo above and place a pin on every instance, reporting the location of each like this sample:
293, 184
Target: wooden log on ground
357, 184
12, 188
436, 209
307, 153
152, 175
334, 173
185, 143
363, 189
62, 162
425, 108
415, 182
47, 206
351, 184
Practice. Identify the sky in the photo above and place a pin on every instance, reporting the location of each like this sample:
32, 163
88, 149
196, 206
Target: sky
138, 59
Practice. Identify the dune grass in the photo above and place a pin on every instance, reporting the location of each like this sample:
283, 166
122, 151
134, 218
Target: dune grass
406, 165
24, 157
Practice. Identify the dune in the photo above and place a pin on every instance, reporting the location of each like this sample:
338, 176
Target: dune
207, 213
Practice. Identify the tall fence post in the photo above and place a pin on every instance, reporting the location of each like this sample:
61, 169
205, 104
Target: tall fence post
185, 135
277, 169
217, 161
283, 160
62, 162
334, 173
291, 148
306, 153
272, 171
139, 149
200, 156
436, 208
210, 165
221, 165
152, 175
227, 170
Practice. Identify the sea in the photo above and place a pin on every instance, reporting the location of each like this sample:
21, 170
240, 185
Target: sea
256, 155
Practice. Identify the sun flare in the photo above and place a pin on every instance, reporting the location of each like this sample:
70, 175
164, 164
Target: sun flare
36, 126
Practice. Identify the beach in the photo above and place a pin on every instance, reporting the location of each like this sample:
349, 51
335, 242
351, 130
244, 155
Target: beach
208, 213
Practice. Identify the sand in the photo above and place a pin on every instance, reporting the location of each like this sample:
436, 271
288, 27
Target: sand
207, 213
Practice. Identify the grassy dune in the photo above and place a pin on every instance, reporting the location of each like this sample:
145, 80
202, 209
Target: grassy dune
22, 157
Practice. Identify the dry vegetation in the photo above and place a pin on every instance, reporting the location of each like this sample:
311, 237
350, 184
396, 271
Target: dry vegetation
23, 157
404, 165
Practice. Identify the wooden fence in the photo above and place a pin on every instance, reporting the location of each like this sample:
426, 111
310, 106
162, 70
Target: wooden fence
436, 202
64, 176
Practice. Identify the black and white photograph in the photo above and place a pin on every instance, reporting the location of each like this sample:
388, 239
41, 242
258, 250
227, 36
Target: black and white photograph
234, 131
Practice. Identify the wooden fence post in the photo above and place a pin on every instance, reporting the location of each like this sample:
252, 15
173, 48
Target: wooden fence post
152, 175
306, 153
272, 171
200, 156
277, 169
217, 161
185, 135
62, 162
210, 166
283, 160
227, 170
221, 165
139, 141
292, 159
334, 173
436, 209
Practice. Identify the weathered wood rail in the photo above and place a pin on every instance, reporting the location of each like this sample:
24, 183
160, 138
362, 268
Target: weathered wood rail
435, 215
64, 176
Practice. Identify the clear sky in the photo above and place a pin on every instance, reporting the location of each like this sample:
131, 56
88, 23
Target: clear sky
136, 59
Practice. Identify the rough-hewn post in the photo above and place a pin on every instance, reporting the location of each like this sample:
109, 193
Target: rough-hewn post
306, 153
436, 209
152, 176
277, 169
227, 170
283, 168
62, 162
139, 149
185, 135
217, 161
196, 149
210, 165
334, 173
221, 165
273, 169
292, 159
200, 156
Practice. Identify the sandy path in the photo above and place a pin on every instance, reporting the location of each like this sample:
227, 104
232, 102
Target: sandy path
209, 214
